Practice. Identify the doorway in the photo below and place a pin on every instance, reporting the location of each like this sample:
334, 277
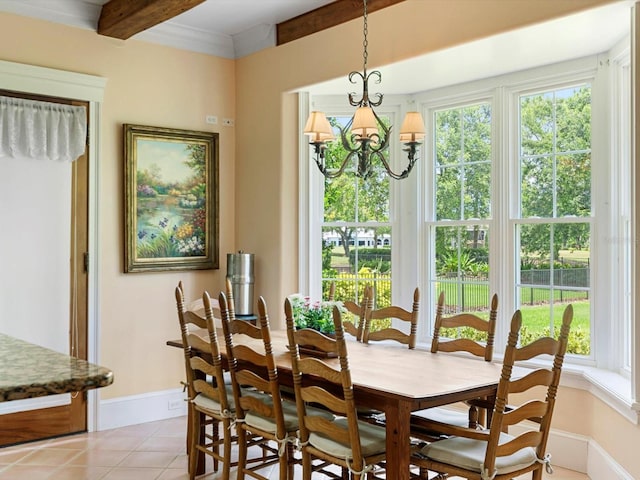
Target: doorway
71, 415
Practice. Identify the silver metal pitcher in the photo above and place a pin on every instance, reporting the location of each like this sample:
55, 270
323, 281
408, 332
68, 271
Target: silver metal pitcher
240, 273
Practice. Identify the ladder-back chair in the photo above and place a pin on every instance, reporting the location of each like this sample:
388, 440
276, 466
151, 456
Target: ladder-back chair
494, 454
208, 402
259, 409
391, 313
359, 312
345, 440
465, 320
474, 326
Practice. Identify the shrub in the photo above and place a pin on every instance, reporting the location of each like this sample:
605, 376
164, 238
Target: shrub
146, 191
378, 259
578, 337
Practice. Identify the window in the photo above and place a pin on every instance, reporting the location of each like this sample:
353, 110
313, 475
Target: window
622, 200
553, 227
521, 190
356, 232
462, 201
552, 224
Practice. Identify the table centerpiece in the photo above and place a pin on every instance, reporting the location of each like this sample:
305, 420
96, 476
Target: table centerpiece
316, 315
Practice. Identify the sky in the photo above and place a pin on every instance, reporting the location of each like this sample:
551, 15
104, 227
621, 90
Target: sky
169, 156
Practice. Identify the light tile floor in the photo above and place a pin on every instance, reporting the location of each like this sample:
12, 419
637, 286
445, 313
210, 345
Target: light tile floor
147, 451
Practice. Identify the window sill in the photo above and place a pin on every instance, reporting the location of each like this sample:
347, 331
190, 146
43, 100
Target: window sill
611, 388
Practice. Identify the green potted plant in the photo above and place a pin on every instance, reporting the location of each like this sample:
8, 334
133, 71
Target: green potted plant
317, 315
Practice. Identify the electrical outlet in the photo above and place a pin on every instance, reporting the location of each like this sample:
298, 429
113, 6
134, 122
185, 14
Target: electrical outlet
175, 404
227, 122
211, 119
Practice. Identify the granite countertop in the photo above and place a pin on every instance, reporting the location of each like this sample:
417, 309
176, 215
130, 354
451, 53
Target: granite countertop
28, 370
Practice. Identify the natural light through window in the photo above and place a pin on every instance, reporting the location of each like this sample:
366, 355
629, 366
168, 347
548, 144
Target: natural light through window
356, 231
462, 202
554, 228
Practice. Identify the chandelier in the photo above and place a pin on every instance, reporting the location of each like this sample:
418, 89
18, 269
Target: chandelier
365, 136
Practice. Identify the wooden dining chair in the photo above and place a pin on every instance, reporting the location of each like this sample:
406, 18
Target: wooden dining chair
358, 313
254, 380
332, 292
355, 445
391, 313
465, 320
208, 399
494, 454
473, 326
260, 410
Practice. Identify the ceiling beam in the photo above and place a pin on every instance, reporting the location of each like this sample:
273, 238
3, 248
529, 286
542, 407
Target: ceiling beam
124, 18
324, 17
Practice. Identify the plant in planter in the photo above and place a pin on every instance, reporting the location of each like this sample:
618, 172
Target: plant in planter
316, 315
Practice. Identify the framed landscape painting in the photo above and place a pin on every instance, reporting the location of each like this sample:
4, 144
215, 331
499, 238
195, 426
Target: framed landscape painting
171, 199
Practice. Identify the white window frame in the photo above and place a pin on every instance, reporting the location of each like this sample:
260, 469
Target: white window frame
429, 106
619, 64
605, 373
598, 141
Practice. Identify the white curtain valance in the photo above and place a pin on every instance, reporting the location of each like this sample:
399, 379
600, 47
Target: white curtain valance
34, 129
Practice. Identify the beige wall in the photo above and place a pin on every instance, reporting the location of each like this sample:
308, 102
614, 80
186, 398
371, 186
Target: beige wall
159, 86
146, 85
579, 412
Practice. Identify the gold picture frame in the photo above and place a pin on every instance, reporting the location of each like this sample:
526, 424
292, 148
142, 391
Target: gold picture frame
171, 199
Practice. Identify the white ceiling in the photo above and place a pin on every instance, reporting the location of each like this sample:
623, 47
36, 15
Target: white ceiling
234, 28
587, 33
225, 28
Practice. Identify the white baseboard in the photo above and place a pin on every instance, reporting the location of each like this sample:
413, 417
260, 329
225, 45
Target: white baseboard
148, 407
568, 450
602, 465
582, 454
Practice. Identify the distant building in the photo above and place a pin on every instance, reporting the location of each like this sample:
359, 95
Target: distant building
364, 238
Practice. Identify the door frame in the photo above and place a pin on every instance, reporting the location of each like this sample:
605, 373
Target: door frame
31, 79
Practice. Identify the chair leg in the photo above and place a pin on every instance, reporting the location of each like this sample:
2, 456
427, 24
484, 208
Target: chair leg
290, 461
345, 474
283, 463
194, 433
473, 417
242, 452
306, 466
215, 434
226, 464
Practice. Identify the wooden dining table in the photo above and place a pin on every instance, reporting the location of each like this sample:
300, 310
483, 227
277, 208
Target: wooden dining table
397, 381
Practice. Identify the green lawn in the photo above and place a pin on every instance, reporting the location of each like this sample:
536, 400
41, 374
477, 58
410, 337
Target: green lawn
339, 260
537, 317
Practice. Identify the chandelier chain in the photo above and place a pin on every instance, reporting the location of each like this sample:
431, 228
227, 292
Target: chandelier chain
365, 42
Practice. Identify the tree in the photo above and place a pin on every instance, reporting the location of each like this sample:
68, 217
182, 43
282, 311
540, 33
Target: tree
351, 199
151, 176
196, 159
463, 180
556, 168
